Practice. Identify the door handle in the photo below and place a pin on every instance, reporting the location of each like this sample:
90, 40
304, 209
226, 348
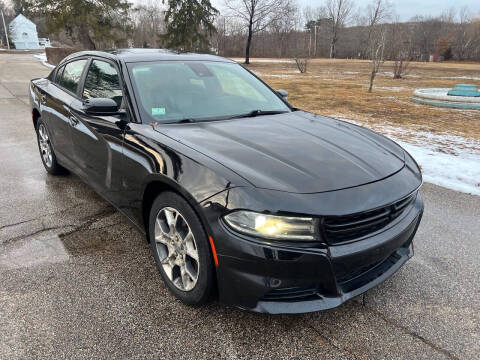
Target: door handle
73, 120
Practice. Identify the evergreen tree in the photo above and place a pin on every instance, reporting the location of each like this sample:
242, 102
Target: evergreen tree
189, 24
19, 6
89, 21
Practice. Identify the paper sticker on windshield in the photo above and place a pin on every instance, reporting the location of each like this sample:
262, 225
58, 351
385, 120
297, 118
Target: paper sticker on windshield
158, 111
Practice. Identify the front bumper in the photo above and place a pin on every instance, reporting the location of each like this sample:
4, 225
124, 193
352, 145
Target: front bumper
279, 278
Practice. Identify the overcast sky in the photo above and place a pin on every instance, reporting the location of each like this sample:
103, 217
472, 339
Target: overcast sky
406, 9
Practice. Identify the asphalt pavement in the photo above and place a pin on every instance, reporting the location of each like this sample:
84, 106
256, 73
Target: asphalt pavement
78, 281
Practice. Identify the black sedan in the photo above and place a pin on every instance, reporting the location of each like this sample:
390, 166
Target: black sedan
271, 208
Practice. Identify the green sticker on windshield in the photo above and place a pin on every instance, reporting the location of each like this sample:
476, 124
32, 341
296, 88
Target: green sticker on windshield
158, 111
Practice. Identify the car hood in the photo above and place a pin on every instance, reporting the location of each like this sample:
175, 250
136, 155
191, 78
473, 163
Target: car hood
294, 152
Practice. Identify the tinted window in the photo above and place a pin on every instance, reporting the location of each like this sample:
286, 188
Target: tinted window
59, 74
71, 75
174, 90
102, 81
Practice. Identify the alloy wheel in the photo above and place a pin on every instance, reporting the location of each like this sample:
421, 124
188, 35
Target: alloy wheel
176, 248
45, 147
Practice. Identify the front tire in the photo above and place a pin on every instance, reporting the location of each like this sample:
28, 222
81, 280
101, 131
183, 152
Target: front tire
180, 248
47, 154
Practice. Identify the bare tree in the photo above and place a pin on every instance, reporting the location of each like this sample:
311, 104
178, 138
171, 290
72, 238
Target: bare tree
149, 24
464, 37
257, 15
401, 48
377, 12
302, 64
338, 12
282, 30
401, 66
308, 14
377, 52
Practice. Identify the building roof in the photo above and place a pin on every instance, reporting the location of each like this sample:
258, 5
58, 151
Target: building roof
21, 20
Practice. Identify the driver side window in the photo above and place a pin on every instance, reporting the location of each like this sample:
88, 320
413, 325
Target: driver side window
102, 81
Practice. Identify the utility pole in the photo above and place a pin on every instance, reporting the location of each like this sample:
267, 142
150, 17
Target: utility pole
315, 44
5, 27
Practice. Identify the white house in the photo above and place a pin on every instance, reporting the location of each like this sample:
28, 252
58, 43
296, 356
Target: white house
23, 33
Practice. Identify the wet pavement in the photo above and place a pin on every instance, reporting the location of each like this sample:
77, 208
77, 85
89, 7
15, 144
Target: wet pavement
78, 281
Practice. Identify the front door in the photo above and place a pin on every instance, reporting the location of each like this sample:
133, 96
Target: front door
97, 140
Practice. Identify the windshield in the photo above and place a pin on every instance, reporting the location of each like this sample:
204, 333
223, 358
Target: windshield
169, 91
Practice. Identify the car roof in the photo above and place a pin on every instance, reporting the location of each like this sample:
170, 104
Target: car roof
139, 55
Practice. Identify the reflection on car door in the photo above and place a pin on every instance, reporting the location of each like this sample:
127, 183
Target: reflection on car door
97, 140
56, 100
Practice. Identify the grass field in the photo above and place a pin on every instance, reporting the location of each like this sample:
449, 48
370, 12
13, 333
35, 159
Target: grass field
338, 88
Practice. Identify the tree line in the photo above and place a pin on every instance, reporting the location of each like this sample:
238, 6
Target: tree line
259, 28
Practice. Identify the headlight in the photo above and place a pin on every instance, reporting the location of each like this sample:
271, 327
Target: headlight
271, 227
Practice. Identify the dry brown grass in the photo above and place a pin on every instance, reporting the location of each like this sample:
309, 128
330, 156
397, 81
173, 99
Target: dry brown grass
339, 87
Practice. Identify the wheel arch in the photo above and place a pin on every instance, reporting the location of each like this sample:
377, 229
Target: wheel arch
35, 117
155, 186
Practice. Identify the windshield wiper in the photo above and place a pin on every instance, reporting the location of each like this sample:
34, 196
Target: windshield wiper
186, 120
255, 113
252, 113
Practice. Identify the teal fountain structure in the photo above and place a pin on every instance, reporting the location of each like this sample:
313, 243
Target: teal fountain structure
462, 96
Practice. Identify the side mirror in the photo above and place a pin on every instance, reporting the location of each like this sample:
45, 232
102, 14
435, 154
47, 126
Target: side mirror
283, 94
100, 106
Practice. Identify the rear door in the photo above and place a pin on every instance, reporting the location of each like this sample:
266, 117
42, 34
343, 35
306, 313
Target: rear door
56, 101
97, 140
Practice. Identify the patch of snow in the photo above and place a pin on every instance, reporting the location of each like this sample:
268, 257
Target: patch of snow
386, 73
43, 58
391, 88
321, 78
446, 160
459, 77
460, 172
288, 74
282, 76
351, 72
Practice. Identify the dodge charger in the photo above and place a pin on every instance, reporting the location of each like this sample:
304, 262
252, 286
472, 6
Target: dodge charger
241, 196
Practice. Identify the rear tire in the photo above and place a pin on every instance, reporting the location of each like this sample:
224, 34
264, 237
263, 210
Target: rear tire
181, 249
47, 154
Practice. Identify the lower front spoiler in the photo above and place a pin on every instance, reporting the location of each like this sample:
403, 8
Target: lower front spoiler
379, 274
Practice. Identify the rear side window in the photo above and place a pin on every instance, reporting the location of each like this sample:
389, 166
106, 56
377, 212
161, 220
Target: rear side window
102, 81
71, 75
59, 74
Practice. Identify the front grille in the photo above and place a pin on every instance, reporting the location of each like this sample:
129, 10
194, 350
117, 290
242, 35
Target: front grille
290, 294
338, 229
